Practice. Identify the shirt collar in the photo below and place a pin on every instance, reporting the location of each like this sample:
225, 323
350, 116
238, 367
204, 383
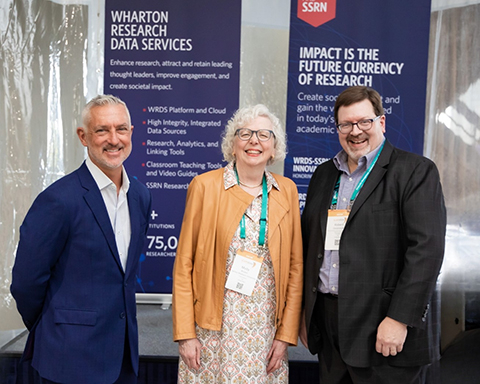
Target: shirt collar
341, 159
230, 179
102, 180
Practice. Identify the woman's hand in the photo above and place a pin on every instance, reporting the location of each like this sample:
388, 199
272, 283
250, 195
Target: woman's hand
276, 355
189, 351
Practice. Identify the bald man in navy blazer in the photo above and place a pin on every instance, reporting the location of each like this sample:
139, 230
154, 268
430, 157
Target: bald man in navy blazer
374, 236
74, 273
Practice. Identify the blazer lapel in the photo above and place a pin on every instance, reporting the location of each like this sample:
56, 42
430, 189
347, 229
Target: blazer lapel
277, 208
322, 200
93, 198
237, 201
327, 185
135, 224
373, 179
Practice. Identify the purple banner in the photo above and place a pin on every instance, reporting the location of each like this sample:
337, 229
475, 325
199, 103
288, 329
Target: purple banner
176, 65
335, 44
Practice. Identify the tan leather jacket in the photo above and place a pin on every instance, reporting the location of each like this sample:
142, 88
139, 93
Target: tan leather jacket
212, 215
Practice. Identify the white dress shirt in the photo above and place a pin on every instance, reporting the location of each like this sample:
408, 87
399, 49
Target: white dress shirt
117, 207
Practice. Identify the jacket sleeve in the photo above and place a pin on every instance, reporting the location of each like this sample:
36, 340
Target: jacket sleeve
289, 324
42, 238
423, 217
182, 292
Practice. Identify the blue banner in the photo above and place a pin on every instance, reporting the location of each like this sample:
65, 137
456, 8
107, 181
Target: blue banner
335, 44
176, 65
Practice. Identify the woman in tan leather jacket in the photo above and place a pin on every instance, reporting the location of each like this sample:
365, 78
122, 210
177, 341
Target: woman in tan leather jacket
237, 280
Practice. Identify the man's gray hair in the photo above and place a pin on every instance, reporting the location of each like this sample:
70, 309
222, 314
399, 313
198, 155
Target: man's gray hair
99, 101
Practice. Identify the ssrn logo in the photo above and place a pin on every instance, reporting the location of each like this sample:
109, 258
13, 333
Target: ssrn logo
315, 12
314, 6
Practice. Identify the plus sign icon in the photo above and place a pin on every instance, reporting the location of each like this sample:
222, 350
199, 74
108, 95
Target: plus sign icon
153, 215
315, 12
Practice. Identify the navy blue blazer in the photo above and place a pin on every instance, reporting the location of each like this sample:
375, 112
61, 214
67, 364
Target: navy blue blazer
391, 251
69, 285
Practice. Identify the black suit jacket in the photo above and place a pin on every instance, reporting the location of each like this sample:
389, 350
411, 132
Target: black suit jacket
391, 251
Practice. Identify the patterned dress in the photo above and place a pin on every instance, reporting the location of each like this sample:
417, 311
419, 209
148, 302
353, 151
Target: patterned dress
237, 354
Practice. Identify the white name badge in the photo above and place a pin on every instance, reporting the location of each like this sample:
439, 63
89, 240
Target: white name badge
244, 272
337, 218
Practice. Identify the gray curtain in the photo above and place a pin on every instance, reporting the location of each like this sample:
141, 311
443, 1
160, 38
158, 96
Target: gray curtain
453, 142
42, 88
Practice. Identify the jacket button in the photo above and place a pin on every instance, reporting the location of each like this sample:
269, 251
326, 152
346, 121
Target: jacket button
122, 315
320, 255
314, 289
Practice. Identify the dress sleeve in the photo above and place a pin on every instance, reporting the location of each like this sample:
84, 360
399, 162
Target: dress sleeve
288, 329
182, 294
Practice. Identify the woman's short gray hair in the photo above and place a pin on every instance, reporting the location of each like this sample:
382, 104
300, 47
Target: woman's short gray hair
99, 101
243, 117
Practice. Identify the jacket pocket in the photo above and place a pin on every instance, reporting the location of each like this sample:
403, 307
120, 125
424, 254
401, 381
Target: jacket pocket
389, 290
75, 316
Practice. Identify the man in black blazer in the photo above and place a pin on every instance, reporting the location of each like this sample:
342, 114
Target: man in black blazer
74, 273
374, 235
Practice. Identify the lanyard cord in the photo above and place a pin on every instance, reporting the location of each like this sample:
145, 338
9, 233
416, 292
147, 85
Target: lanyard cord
263, 216
359, 185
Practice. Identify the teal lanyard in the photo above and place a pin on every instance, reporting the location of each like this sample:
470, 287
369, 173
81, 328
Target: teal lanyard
263, 216
359, 185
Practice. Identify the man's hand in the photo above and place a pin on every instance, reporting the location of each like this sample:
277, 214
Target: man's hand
276, 355
391, 335
189, 350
